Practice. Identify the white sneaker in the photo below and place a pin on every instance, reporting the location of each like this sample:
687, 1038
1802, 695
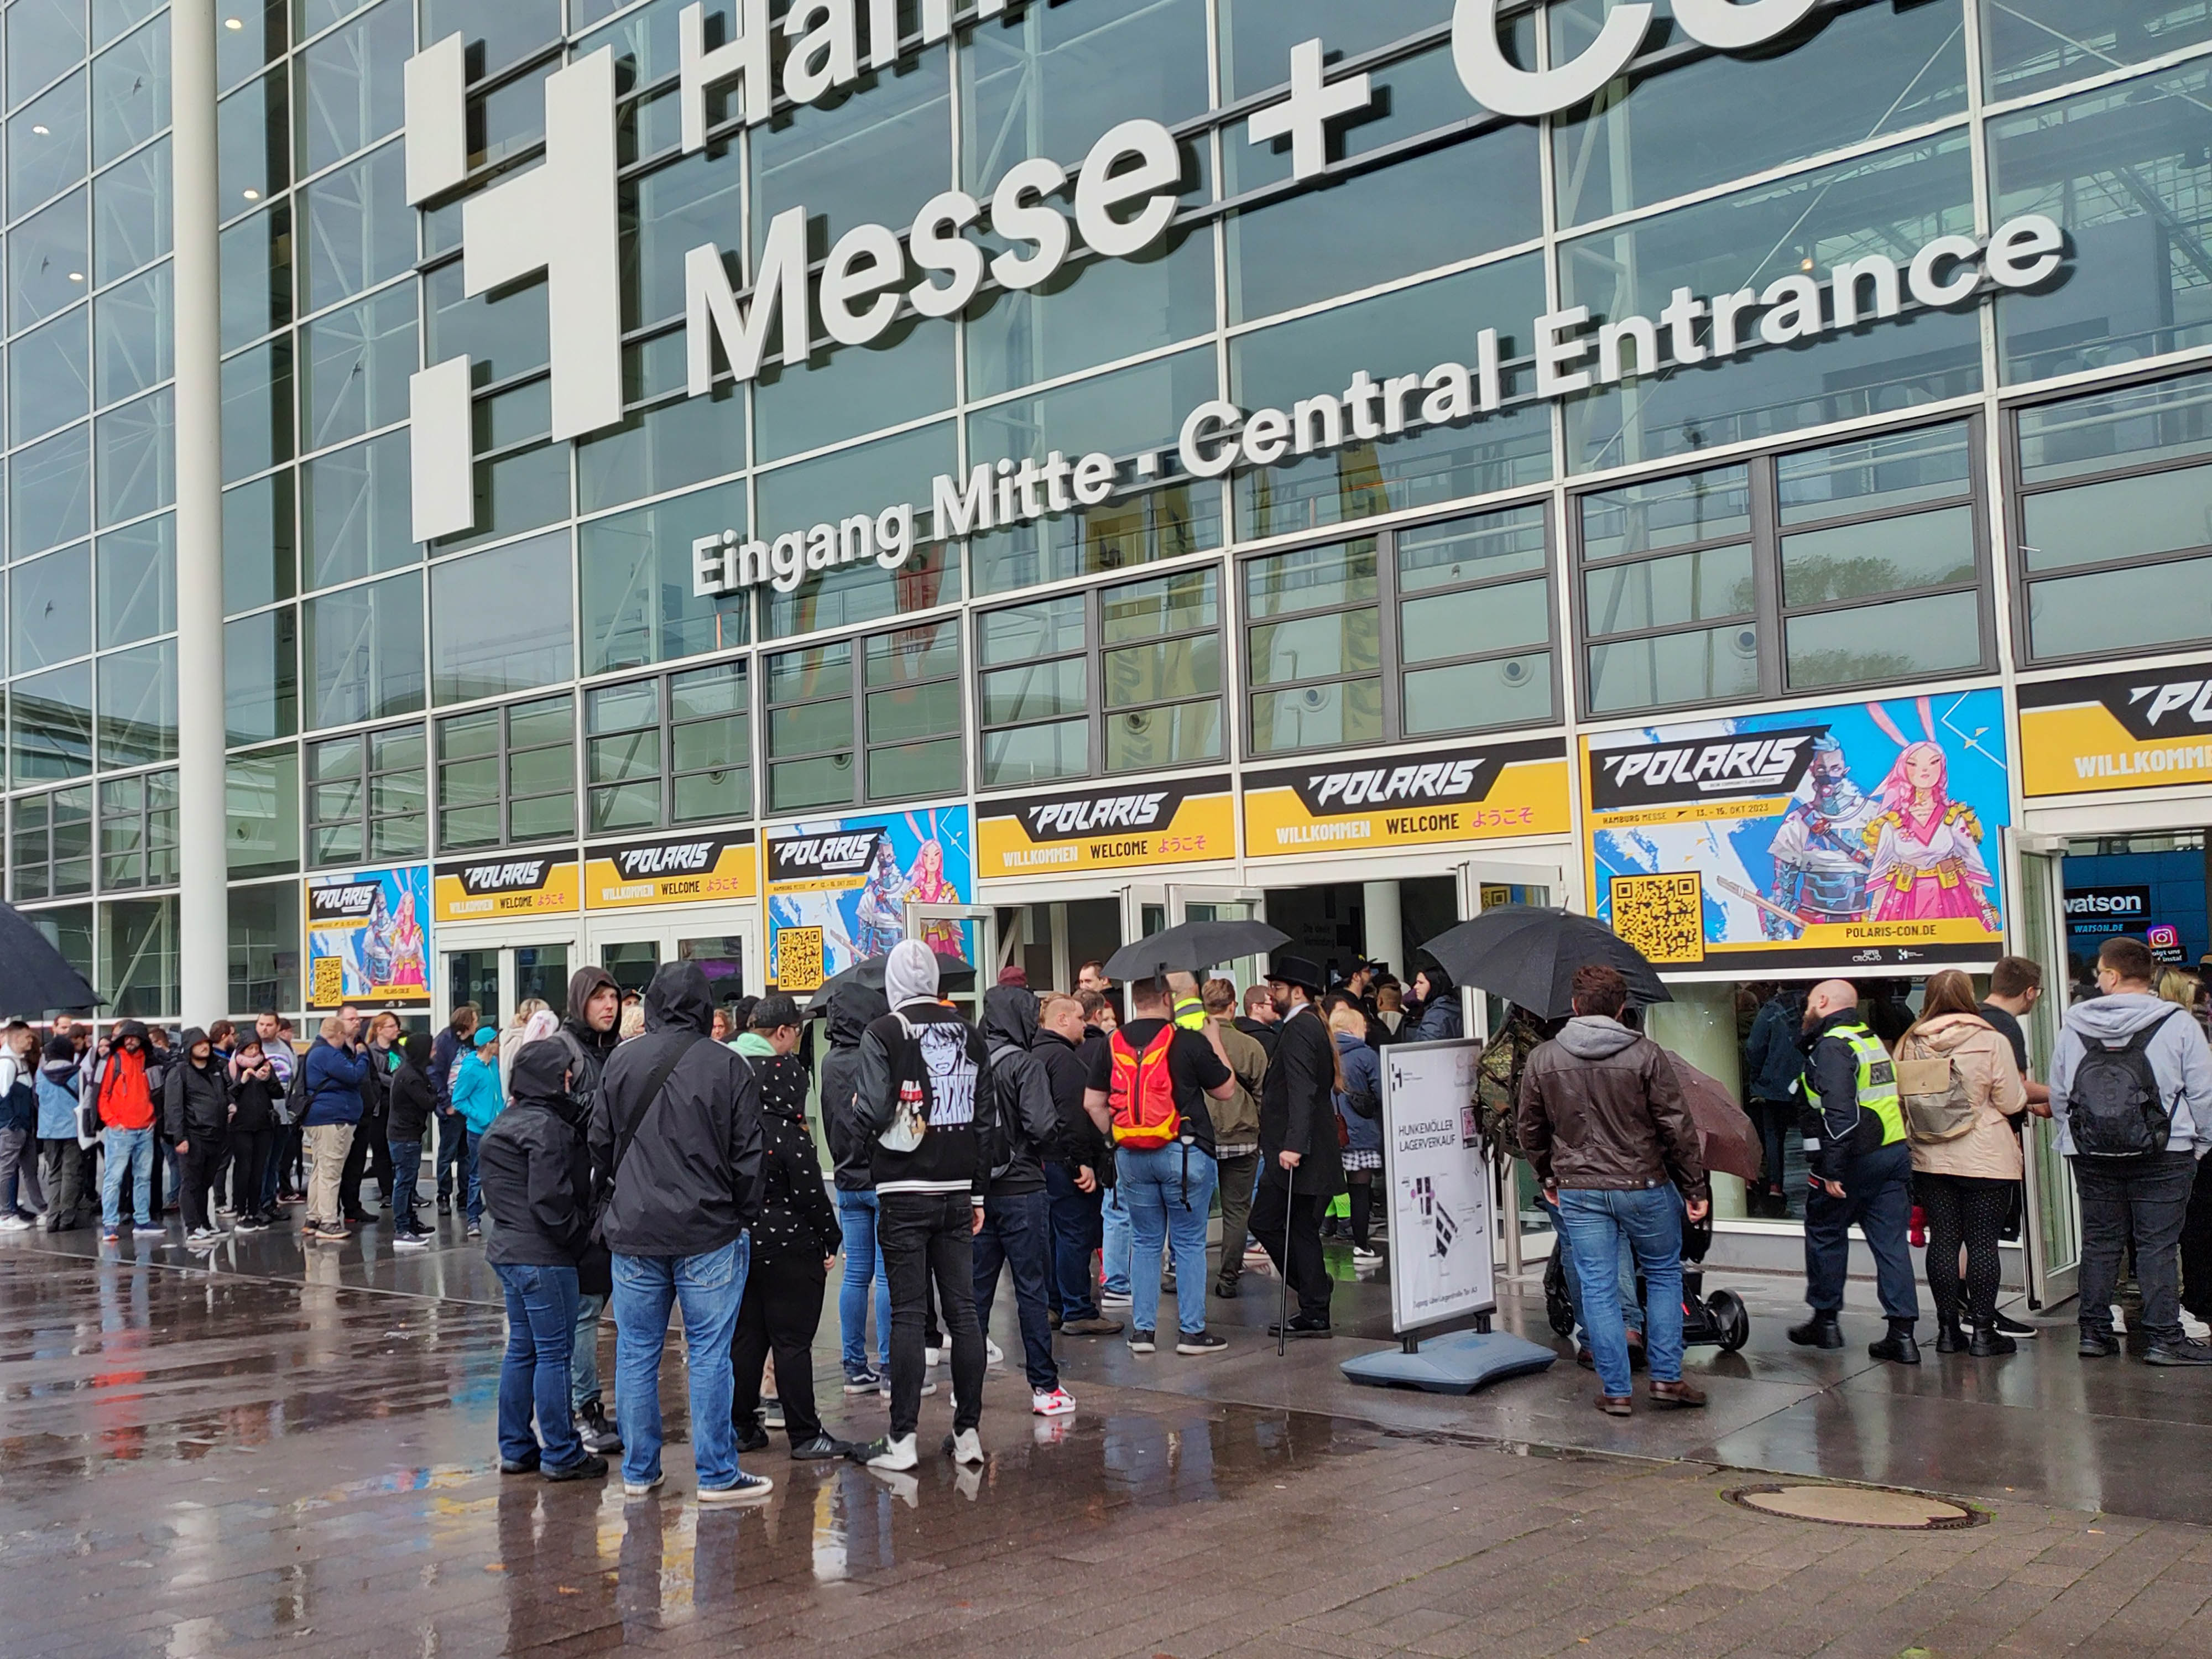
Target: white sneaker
884, 1387
747, 1488
14, 1224
1052, 1402
965, 1447
932, 1357
643, 1488
993, 1353
897, 1454
1364, 1257
1112, 1299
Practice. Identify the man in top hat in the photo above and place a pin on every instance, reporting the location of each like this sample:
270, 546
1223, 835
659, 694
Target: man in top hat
1300, 1170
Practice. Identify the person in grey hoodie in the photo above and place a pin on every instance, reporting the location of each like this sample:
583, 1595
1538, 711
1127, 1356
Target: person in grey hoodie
2131, 1190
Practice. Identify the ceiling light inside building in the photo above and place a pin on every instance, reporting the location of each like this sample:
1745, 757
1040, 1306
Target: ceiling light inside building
253, 195
234, 23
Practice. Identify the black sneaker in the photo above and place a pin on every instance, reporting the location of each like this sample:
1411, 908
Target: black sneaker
754, 1438
2098, 1344
2019, 1328
1302, 1327
593, 1428
821, 1449
519, 1465
587, 1468
1141, 1342
2183, 1352
1201, 1342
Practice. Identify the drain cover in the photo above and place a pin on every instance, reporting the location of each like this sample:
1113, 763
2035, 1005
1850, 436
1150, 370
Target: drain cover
1858, 1506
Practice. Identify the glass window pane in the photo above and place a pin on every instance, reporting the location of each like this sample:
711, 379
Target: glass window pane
50, 724
847, 391
811, 728
1037, 692
672, 210
704, 796
137, 450
625, 758
1671, 668
256, 276
1889, 556
49, 377
45, 38
1466, 696
261, 676
259, 563
351, 92
364, 652
914, 769
913, 653
858, 480
504, 333
2134, 425
497, 31
359, 229
1317, 716
48, 142
2120, 518
1866, 475
359, 515
1031, 631
2126, 171
134, 332
873, 158
638, 603
626, 806
1463, 550
624, 707
810, 676
913, 711
139, 705
1316, 647
50, 608
138, 957
1186, 668
1698, 507
709, 746
357, 363
1890, 641
257, 409
1100, 312
1472, 624
264, 946
1173, 736
1667, 592
264, 32
663, 448
1311, 579
2119, 610
48, 257
794, 786
526, 588
2029, 46
254, 139
50, 491
1257, 35
262, 792
717, 691
131, 92
138, 582
130, 224
1035, 754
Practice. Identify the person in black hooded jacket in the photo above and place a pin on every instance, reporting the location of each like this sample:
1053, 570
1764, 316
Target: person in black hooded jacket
1016, 1230
793, 1243
534, 1171
853, 1007
587, 1032
413, 1100
196, 1117
676, 1152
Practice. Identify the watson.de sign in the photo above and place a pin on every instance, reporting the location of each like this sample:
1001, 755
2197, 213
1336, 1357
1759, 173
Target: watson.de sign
560, 218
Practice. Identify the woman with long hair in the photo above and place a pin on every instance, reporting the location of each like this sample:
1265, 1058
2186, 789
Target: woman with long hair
1964, 1182
1926, 848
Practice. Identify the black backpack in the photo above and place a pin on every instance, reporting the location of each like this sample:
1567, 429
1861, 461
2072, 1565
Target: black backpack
2114, 1108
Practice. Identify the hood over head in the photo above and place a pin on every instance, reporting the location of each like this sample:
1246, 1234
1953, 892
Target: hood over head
910, 974
539, 1077
583, 984
677, 999
417, 1049
1594, 1036
192, 1035
2117, 1017
1010, 1016
853, 1008
60, 1051
131, 1027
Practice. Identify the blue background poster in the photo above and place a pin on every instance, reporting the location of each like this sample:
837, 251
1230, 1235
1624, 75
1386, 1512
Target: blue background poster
368, 938
838, 889
1805, 840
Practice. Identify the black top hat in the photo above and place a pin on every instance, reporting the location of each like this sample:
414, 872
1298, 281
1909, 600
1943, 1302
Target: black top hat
1295, 970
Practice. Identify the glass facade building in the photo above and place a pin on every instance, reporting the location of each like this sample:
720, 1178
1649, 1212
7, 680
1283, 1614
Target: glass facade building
1989, 495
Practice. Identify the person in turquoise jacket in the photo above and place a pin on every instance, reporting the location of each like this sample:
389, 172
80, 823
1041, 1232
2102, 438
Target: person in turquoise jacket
477, 1097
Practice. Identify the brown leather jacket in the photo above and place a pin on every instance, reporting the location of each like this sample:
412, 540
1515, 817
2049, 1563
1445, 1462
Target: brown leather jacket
1601, 1109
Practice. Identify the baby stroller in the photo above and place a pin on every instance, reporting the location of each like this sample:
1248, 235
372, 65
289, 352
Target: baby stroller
1719, 1320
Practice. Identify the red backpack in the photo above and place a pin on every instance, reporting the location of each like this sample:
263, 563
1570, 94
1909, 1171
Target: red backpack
1143, 1095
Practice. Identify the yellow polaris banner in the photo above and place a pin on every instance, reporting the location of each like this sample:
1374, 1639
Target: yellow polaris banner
1190, 822
2117, 731
672, 870
492, 889
1466, 794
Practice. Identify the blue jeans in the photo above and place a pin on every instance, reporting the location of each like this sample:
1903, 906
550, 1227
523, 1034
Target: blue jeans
1018, 1232
710, 1286
406, 1172
584, 1360
453, 1144
1625, 1276
1650, 1219
475, 1187
131, 1150
864, 1265
533, 1377
1114, 1228
1169, 1194
1077, 1228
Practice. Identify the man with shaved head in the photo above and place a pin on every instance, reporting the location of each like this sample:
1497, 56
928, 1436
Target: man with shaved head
1862, 1172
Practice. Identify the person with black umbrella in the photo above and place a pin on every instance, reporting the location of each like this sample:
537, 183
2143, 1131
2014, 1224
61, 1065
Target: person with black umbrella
1300, 1171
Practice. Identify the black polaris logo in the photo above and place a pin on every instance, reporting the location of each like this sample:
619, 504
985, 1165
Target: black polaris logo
1735, 768
821, 858
2175, 704
343, 902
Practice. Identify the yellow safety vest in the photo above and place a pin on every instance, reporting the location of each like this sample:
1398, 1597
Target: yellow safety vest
1190, 1014
1877, 1080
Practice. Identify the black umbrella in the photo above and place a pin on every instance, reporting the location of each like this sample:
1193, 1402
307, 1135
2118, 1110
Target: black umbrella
953, 973
1527, 954
1193, 948
34, 977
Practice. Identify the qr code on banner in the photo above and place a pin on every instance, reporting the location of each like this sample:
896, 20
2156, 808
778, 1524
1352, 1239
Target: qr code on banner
1662, 916
328, 990
798, 959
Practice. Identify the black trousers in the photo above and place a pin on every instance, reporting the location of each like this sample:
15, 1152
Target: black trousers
250, 1152
370, 1154
780, 1312
924, 1239
1969, 1210
196, 1175
1275, 1208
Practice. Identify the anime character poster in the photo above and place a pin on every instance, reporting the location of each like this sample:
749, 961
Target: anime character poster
368, 938
839, 891
1809, 839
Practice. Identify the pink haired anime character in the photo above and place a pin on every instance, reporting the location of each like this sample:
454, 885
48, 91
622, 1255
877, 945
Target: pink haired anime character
1926, 848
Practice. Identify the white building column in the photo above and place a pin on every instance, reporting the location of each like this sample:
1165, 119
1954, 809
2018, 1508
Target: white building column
1385, 925
203, 905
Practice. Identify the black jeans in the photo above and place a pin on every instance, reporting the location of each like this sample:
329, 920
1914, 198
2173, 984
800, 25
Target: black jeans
1018, 1234
925, 1238
249, 1168
1275, 1208
780, 1312
1774, 1119
2196, 1241
1878, 1197
370, 1155
2143, 1200
452, 1155
1969, 1210
196, 1175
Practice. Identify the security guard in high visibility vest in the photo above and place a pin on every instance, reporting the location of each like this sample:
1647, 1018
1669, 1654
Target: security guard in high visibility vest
1862, 1173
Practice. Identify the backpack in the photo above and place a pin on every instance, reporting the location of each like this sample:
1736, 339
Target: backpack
1937, 1105
2114, 1108
1006, 1057
1143, 1095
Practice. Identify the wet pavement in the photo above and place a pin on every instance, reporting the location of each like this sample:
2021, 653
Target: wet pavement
278, 1450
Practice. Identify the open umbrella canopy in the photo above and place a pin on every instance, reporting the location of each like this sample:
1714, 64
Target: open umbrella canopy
1528, 953
34, 977
1727, 1142
1193, 947
953, 973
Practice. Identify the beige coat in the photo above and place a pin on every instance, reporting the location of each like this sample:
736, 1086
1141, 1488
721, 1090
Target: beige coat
1989, 1151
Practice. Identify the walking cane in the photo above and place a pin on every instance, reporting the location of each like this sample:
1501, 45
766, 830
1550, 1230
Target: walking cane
1283, 1312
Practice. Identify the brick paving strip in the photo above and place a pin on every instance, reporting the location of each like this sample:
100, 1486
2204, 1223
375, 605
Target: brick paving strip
162, 1493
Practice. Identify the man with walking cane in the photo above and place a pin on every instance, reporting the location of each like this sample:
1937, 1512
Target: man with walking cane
1300, 1168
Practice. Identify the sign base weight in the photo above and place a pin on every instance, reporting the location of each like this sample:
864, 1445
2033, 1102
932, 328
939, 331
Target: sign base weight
1459, 1364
